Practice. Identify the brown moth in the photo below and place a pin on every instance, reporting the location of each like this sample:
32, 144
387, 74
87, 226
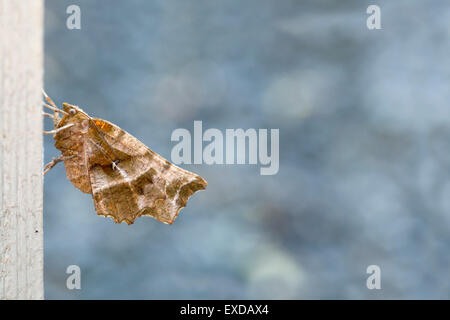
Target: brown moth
126, 179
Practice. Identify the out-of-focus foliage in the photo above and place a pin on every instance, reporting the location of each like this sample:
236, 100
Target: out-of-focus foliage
364, 147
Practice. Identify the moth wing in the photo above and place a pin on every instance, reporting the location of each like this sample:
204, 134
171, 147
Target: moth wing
142, 182
77, 172
72, 146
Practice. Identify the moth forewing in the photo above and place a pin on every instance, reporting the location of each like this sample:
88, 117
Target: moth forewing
126, 178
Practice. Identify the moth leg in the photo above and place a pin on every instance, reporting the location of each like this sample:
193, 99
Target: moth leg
55, 116
58, 130
48, 115
56, 119
55, 161
53, 107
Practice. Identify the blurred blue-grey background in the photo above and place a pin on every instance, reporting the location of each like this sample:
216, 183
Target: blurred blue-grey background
364, 121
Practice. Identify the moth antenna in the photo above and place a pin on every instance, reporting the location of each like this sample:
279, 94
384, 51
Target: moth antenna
56, 109
44, 93
53, 106
59, 129
48, 99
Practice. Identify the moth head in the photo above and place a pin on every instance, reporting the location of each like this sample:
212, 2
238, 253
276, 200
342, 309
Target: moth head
71, 109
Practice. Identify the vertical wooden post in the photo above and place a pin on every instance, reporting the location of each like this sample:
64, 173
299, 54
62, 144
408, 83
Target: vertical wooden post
21, 74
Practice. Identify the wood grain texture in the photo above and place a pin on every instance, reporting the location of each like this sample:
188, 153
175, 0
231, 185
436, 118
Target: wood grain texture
21, 235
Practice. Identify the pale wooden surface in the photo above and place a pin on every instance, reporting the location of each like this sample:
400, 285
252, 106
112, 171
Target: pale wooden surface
21, 63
